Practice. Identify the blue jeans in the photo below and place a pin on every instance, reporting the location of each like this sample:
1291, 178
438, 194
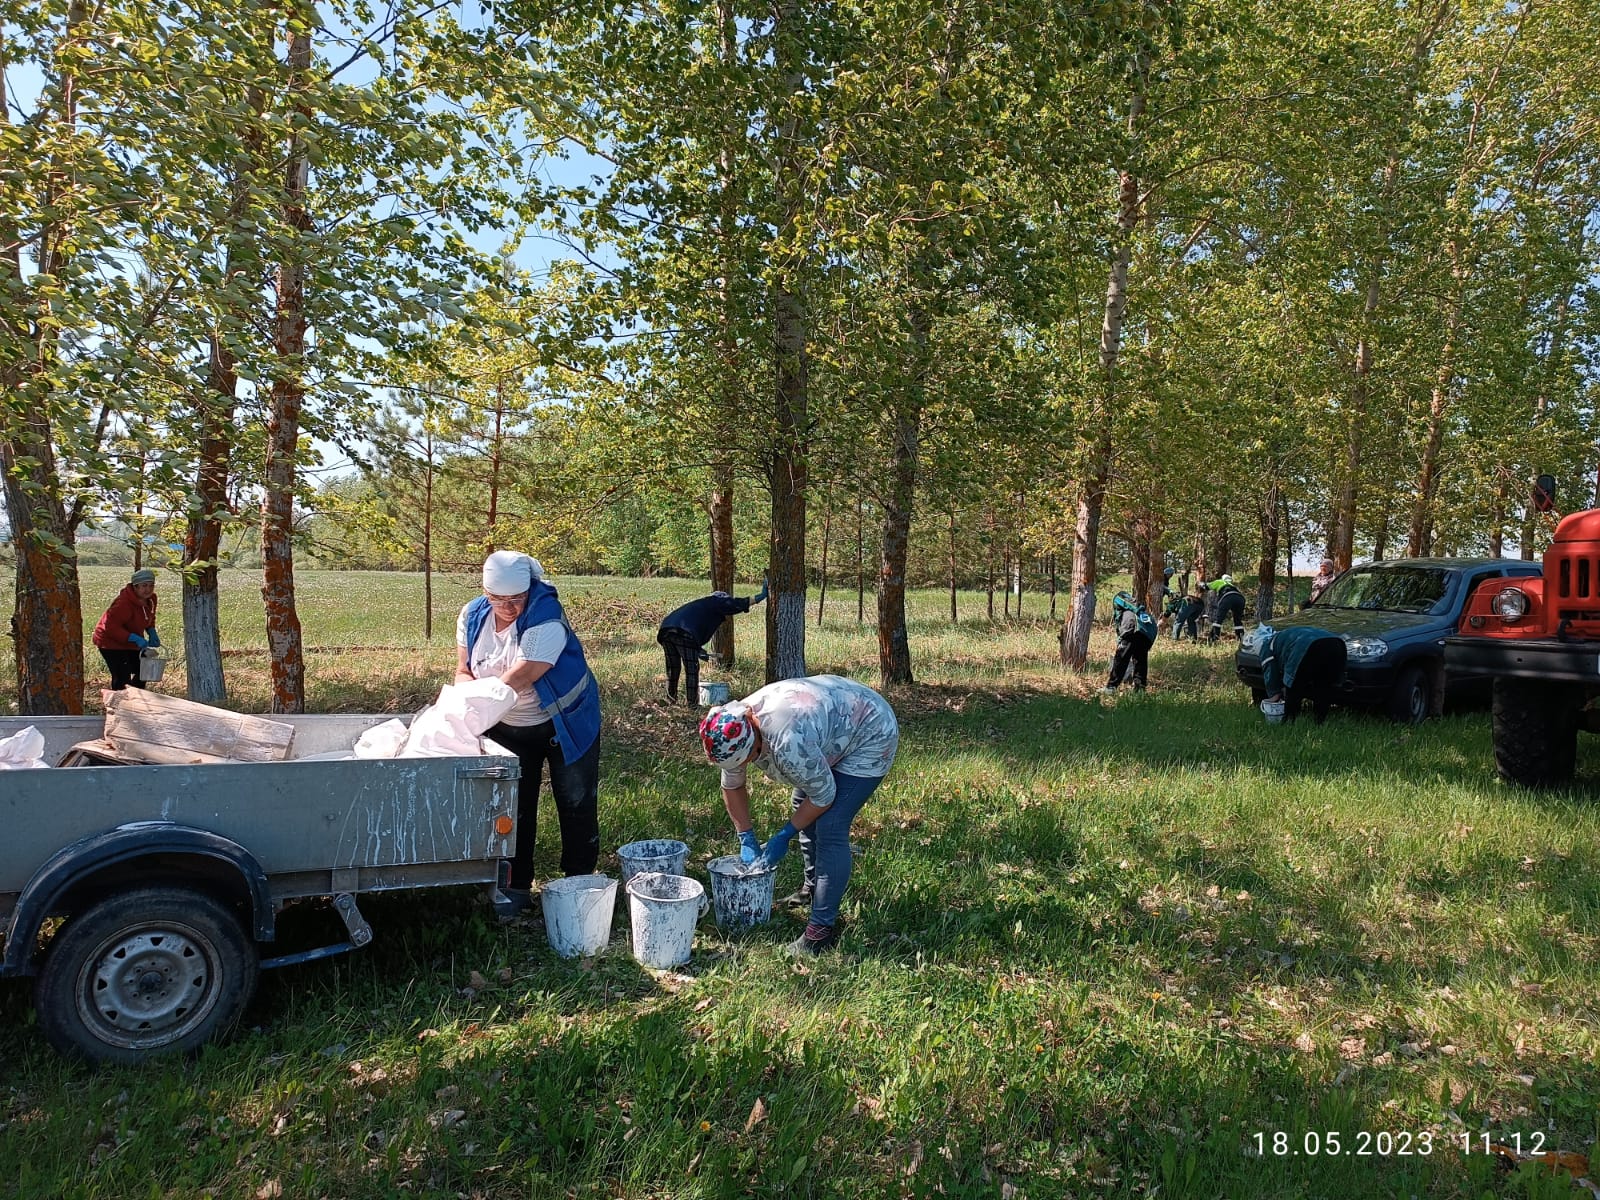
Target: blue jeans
825, 846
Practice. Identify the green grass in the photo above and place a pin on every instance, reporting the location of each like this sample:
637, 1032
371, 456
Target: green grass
1091, 949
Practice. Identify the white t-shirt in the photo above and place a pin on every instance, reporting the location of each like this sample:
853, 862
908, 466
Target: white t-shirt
812, 727
496, 652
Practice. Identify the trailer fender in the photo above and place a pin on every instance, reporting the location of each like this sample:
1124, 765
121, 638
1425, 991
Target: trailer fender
110, 854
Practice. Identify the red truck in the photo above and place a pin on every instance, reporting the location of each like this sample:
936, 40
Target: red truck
1539, 638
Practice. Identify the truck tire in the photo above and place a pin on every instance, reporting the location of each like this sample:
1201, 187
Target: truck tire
158, 970
1535, 732
1411, 701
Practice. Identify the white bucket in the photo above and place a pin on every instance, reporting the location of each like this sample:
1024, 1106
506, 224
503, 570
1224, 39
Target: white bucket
713, 693
662, 856
663, 910
741, 893
1272, 710
577, 914
151, 668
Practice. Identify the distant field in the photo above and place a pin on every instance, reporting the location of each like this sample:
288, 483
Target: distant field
1091, 949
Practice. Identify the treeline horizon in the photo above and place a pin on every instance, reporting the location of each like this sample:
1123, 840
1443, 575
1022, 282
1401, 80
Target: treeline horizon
952, 291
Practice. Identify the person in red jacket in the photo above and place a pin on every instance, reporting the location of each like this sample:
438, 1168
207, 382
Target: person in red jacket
127, 629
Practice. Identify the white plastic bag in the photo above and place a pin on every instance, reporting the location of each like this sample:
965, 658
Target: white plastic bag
382, 741
451, 725
22, 750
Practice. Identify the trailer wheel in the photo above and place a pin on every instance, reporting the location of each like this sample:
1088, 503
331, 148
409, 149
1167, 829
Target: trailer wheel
156, 970
1535, 732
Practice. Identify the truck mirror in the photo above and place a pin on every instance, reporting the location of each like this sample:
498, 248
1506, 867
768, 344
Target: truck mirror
1544, 493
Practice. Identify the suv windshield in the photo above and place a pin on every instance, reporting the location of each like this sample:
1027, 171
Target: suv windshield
1391, 589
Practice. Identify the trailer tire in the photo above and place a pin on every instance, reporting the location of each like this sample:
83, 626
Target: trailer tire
1535, 732
157, 970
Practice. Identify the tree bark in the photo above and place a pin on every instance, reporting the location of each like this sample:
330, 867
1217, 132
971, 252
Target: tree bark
1267, 565
894, 644
953, 566
822, 572
47, 620
723, 565
786, 605
1092, 488
285, 402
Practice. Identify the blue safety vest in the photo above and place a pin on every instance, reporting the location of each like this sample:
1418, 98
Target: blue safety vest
568, 690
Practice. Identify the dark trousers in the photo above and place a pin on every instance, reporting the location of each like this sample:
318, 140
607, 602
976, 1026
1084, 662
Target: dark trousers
1320, 674
124, 666
1132, 661
681, 651
576, 787
1229, 605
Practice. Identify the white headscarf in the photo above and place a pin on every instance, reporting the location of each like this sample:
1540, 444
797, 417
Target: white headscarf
508, 573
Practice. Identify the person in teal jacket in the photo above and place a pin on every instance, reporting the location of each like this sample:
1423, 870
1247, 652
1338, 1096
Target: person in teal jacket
1302, 663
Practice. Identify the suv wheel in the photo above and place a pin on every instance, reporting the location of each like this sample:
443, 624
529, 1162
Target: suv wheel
1411, 702
1535, 731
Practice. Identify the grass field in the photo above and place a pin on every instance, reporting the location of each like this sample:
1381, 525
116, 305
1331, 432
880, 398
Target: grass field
1092, 948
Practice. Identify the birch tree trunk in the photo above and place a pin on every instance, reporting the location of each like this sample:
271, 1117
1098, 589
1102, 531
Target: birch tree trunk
285, 403
786, 604
894, 645
1092, 488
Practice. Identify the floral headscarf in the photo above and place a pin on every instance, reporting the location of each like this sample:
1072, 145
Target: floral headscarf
728, 734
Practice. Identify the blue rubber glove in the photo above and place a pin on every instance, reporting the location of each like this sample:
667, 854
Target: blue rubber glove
153, 636
778, 845
762, 594
749, 848
138, 641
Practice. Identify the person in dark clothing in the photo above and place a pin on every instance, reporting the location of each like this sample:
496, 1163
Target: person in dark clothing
1132, 659
685, 631
1229, 602
1186, 617
1303, 663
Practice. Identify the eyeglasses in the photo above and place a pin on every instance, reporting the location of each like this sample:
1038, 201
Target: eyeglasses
518, 599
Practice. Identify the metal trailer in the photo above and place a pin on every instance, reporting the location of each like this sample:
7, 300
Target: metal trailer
140, 896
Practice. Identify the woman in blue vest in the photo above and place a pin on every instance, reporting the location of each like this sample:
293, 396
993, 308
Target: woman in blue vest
518, 632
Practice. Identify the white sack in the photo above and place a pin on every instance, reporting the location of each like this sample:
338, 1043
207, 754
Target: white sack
382, 741
450, 726
22, 750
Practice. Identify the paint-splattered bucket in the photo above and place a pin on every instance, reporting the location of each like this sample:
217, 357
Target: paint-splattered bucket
713, 693
577, 913
663, 856
1272, 710
663, 910
741, 894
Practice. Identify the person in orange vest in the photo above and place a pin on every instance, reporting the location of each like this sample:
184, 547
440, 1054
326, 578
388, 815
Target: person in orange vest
127, 629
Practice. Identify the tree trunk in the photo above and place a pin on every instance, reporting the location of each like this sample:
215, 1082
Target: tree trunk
894, 644
47, 620
1139, 554
723, 565
1288, 553
988, 559
822, 574
786, 605
1222, 547
861, 562
1005, 582
1497, 514
1052, 585
1092, 488
285, 402
1267, 565
202, 628
952, 566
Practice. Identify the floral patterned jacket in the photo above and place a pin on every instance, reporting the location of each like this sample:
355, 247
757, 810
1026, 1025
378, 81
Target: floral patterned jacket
812, 727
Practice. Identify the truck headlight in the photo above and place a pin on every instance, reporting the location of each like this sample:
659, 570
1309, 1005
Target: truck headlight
1365, 649
1512, 604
